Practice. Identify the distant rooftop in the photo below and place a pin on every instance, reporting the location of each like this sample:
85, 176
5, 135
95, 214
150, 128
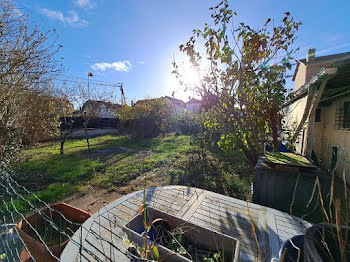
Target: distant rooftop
319, 59
313, 59
99, 102
175, 100
193, 101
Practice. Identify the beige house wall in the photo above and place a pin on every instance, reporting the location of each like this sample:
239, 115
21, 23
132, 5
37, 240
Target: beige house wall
306, 72
299, 80
292, 117
326, 133
327, 136
100, 111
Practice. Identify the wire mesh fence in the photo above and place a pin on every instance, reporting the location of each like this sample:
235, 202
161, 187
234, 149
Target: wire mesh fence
33, 230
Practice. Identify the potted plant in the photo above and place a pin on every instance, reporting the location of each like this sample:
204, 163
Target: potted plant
53, 230
156, 235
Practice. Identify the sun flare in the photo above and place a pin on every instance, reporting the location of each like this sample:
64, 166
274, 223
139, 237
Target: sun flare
190, 77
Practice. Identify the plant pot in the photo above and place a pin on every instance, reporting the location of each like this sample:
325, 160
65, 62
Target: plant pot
321, 243
35, 220
197, 235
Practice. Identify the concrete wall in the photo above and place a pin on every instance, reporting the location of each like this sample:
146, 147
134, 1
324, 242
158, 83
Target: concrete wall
94, 132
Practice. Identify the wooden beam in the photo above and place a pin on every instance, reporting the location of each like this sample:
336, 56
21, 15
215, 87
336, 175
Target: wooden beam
305, 114
330, 72
311, 122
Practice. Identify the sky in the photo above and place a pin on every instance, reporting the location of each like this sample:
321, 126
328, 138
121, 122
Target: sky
135, 41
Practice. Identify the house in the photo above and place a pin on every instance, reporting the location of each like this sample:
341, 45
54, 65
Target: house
194, 105
178, 106
100, 109
319, 107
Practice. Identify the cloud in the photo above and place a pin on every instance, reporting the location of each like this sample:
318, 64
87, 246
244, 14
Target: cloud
72, 18
141, 62
85, 3
121, 66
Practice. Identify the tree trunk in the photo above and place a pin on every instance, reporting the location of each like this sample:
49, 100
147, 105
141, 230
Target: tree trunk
250, 155
87, 137
62, 147
276, 144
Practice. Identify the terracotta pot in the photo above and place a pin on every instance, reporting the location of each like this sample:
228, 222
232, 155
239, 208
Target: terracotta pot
36, 248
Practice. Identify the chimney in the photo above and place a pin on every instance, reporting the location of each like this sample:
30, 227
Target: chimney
311, 55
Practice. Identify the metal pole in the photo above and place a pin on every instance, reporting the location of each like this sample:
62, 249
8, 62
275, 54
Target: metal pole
89, 74
88, 86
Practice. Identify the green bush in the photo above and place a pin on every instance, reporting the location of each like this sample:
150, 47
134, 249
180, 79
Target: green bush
187, 123
218, 173
145, 118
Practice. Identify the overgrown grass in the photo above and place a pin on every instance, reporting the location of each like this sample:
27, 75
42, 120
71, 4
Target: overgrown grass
164, 152
115, 161
54, 176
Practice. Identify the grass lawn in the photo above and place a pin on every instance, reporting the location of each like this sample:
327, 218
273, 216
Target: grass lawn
121, 164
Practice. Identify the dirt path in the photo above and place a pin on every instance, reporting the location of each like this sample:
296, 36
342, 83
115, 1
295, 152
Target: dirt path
95, 198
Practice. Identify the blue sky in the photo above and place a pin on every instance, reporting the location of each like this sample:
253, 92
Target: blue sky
134, 41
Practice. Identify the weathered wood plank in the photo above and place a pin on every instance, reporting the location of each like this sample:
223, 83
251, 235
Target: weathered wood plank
274, 243
232, 201
154, 201
234, 206
232, 215
229, 211
103, 235
191, 206
164, 196
296, 226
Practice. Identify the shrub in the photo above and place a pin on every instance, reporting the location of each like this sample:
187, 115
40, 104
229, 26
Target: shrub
187, 123
145, 118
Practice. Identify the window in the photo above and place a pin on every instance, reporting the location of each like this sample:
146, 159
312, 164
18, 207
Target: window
346, 115
343, 116
318, 115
